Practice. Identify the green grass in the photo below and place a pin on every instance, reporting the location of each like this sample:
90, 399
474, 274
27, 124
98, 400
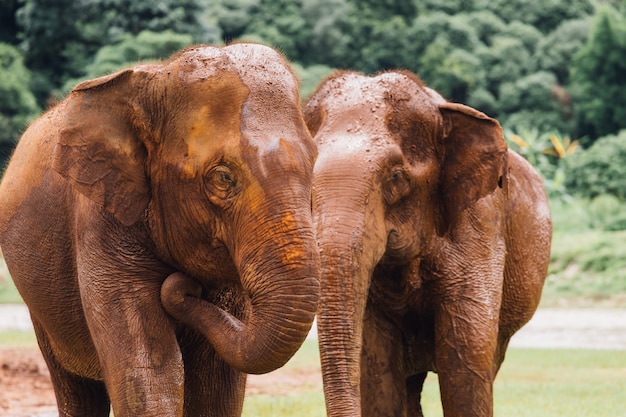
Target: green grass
17, 338
553, 383
8, 292
303, 404
531, 383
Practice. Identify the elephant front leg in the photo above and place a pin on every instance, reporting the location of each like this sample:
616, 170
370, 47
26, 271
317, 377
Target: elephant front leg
137, 348
212, 387
465, 345
383, 386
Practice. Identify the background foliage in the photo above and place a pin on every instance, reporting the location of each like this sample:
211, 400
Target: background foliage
552, 65
551, 71
525, 62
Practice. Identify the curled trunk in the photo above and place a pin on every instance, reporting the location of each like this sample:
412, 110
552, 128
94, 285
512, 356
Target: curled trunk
283, 298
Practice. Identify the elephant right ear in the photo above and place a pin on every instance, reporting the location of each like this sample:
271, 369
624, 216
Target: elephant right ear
475, 160
98, 150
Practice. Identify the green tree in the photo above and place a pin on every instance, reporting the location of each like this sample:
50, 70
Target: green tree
450, 7
329, 36
280, 24
443, 50
382, 10
130, 50
544, 15
17, 104
486, 24
555, 52
529, 103
453, 72
527, 34
482, 99
507, 60
121, 17
61, 37
387, 46
232, 16
597, 79
8, 23
46, 29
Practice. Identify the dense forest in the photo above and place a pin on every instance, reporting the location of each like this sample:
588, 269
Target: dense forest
553, 72
549, 70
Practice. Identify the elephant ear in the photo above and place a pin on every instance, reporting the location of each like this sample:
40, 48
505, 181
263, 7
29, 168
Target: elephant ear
474, 161
98, 150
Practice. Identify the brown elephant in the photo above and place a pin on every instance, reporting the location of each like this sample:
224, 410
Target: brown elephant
184, 184
434, 243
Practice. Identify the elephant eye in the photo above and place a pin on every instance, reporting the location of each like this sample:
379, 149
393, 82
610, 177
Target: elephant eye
397, 186
225, 179
221, 183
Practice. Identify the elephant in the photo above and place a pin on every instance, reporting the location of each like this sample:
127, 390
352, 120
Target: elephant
434, 242
157, 223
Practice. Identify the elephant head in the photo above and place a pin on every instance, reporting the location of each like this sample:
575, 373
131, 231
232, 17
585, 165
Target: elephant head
210, 153
397, 166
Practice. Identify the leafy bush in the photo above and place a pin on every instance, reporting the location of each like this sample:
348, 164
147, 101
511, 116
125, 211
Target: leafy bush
530, 104
574, 214
589, 264
600, 169
17, 103
145, 46
555, 52
597, 77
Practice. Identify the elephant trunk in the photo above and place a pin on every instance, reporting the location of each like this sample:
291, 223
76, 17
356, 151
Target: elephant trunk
282, 282
352, 239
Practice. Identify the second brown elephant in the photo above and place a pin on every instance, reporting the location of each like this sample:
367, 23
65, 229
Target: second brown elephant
434, 240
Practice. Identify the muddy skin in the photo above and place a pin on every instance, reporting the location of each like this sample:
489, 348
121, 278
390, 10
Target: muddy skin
434, 241
157, 224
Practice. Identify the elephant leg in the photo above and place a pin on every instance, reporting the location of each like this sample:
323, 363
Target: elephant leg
414, 386
137, 348
212, 387
465, 346
383, 388
75, 396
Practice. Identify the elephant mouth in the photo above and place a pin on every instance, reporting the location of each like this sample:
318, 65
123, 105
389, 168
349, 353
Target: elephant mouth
394, 244
398, 249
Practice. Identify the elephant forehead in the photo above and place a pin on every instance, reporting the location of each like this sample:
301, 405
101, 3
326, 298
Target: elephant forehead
347, 144
263, 66
277, 157
355, 92
356, 96
214, 118
260, 67
355, 156
353, 89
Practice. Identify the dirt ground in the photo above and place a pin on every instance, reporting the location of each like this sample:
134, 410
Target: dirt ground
27, 390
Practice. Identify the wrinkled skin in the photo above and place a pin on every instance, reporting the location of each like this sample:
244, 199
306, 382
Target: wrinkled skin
180, 187
434, 242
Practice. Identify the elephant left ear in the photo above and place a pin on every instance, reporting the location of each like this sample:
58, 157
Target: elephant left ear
474, 161
98, 150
